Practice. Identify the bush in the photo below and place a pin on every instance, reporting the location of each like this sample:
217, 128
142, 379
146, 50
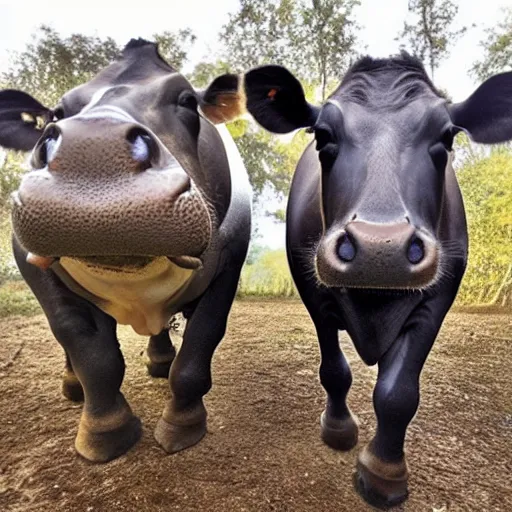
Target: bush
486, 185
268, 276
16, 298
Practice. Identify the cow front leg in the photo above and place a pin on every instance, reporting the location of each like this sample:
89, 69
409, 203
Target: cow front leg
107, 426
71, 387
382, 473
161, 354
338, 425
183, 422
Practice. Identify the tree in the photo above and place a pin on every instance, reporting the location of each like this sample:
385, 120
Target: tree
430, 36
497, 49
51, 65
174, 47
327, 39
315, 39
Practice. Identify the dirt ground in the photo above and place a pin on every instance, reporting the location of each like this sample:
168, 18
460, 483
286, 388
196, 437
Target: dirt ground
263, 451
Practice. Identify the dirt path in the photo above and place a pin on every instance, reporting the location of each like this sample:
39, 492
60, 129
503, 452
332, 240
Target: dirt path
263, 451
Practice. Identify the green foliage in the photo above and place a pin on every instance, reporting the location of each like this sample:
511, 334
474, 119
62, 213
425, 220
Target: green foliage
258, 32
174, 47
269, 160
429, 37
315, 39
268, 276
11, 169
51, 65
8, 269
204, 73
17, 299
486, 184
327, 40
498, 49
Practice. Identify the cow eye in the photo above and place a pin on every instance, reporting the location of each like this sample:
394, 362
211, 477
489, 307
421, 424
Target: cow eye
447, 138
323, 136
58, 114
326, 146
188, 100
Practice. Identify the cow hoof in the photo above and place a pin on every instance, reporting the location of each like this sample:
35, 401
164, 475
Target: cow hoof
159, 370
71, 388
381, 484
106, 438
177, 431
339, 434
174, 438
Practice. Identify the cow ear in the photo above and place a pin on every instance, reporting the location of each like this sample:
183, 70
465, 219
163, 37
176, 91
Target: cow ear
487, 114
22, 119
223, 100
276, 100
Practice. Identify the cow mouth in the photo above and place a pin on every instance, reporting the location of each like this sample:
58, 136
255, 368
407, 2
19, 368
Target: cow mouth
118, 263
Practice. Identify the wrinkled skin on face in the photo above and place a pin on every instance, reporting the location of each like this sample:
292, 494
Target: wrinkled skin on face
129, 184
376, 234
120, 174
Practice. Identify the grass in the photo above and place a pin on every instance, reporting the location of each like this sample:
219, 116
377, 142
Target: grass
16, 298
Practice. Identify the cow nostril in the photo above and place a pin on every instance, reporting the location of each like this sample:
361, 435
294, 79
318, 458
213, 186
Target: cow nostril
47, 148
346, 248
416, 250
143, 147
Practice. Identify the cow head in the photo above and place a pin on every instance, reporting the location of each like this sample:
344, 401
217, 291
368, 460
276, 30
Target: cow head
384, 141
125, 167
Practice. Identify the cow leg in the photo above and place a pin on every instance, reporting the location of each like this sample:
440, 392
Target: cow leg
71, 387
339, 428
381, 468
183, 422
107, 426
338, 425
161, 353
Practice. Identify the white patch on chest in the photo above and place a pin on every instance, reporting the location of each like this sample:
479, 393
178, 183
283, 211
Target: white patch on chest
140, 297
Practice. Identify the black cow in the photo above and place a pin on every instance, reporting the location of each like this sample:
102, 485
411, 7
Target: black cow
136, 207
376, 233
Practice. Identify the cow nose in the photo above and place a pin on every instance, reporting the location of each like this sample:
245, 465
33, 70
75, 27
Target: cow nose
346, 248
144, 148
416, 250
102, 145
369, 255
45, 150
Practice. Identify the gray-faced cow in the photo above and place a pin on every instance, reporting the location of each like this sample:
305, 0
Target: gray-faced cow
136, 207
376, 233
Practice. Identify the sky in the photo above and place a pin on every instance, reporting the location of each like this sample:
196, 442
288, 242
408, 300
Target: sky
380, 22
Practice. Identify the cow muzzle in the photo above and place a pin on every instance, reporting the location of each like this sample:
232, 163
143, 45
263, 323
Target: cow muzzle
367, 255
109, 189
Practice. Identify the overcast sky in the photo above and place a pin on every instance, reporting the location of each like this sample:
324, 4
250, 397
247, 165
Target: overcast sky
380, 20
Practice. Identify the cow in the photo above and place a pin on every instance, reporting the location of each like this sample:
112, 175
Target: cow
137, 207
376, 233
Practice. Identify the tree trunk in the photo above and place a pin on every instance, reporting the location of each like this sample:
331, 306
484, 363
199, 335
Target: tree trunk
324, 84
